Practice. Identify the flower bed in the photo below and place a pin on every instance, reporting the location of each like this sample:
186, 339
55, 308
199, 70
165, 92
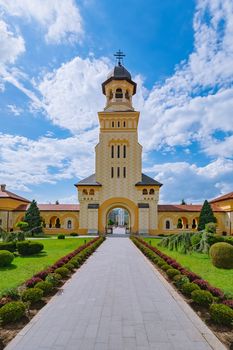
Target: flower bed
201, 297
34, 291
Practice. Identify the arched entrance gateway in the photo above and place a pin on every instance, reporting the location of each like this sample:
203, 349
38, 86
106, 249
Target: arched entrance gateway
118, 221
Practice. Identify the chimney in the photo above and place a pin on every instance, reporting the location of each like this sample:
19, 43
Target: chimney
3, 187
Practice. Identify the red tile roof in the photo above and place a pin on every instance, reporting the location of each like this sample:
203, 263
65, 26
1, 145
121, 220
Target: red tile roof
223, 198
51, 207
184, 208
7, 194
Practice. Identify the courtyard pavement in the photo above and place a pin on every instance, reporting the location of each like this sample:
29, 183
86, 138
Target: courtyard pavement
116, 301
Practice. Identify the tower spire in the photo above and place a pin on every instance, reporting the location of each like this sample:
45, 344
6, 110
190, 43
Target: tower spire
119, 56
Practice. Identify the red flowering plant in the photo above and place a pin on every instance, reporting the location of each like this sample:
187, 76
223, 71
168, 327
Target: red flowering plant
228, 303
202, 283
32, 281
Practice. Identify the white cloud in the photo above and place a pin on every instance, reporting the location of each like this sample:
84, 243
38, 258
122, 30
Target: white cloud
72, 94
193, 183
26, 162
61, 19
15, 110
11, 45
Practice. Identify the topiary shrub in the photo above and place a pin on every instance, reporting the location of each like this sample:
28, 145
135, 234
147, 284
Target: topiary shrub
165, 267
6, 258
188, 288
172, 272
69, 266
73, 234
179, 280
54, 278
212, 239
221, 314
202, 297
45, 286
29, 248
161, 262
63, 271
12, 312
75, 262
10, 246
32, 295
61, 236
222, 255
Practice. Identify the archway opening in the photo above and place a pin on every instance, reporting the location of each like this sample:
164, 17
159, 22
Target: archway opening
118, 221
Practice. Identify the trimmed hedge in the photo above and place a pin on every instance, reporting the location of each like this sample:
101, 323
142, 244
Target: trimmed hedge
172, 272
32, 295
29, 248
63, 271
6, 258
202, 297
221, 314
12, 312
45, 286
188, 288
10, 246
61, 236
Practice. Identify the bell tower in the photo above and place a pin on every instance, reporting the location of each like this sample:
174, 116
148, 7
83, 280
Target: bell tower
118, 180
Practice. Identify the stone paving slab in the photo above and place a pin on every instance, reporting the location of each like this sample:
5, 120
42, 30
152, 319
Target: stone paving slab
116, 301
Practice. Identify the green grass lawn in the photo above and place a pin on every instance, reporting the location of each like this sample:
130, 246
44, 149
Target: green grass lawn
23, 268
201, 264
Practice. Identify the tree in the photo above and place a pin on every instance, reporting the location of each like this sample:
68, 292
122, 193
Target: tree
57, 202
206, 216
33, 218
183, 202
22, 225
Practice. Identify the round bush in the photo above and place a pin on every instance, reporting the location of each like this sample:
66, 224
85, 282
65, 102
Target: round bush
188, 288
222, 255
54, 278
32, 295
29, 248
75, 262
61, 236
69, 266
12, 312
179, 280
63, 271
10, 246
45, 286
221, 314
6, 258
172, 272
165, 267
202, 297
73, 234
161, 262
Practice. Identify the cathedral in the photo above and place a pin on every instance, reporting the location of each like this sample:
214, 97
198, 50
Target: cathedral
118, 181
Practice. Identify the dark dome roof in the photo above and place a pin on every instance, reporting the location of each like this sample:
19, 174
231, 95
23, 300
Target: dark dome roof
119, 72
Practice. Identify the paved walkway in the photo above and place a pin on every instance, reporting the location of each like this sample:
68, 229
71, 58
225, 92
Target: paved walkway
115, 302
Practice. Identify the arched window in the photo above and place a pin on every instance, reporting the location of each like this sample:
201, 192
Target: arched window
118, 124
152, 191
112, 172
124, 151
144, 191
119, 93
194, 224
124, 172
167, 225
118, 171
85, 192
124, 124
118, 151
58, 223
69, 224
112, 124
91, 192
112, 151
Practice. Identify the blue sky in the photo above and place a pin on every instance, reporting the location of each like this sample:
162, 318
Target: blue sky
53, 59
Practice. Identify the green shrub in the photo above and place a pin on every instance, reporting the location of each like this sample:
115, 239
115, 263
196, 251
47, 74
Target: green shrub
6, 258
202, 297
32, 295
73, 234
215, 239
161, 262
69, 266
221, 314
179, 280
165, 267
188, 288
45, 286
29, 248
229, 240
53, 278
63, 271
222, 255
195, 239
10, 246
12, 312
13, 293
61, 236
75, 262
172, 272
